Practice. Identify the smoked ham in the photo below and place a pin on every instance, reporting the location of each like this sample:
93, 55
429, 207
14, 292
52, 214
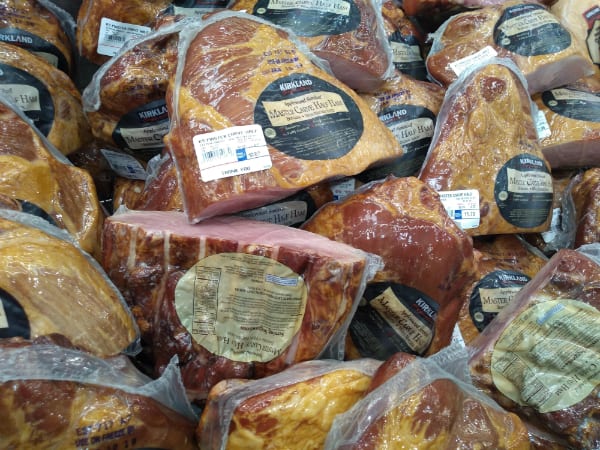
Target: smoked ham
253, 119
586, 197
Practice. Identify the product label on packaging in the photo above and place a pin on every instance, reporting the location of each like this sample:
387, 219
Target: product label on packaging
125, 166
35, 44
195, 7
311, 17
462, 206
30, 95
247, 308
392, 318
291, 213
13, 318
492, 293
115, 432
35, 210
142, 129
407, 56
592, 18
541, 125
576, 105
231, 151
114, 34
547, 357
530, 30
342, 188
524, 191
308, 118
460, 65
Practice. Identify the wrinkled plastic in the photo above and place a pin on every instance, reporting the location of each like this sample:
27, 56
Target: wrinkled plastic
467, 33
50, 286
331, 279
305, 398
35, 171
101, 401
585, 194
445, 377
217, 88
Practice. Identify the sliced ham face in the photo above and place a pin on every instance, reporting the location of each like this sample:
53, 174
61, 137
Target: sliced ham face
539, 356
232, 297
253, 119
525, 32
485, 157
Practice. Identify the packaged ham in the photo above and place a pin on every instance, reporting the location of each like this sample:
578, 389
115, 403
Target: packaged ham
499, 274
48, 286
526, 32
539, 356
233, 297
409, 108
57, 397
585, 191
424, 7
349, 35
485, 159
406, 41
411, 305
125, 100
40, 27
570, 135
32, 170
291, 409
46, 95
426, 403
254, 119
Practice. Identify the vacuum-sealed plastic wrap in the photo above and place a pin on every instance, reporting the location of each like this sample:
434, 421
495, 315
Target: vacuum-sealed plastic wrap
524, 31
40, 27
485, 159
539, 356
412, 304
349, 35
409, 108
426, 403
56, 397
291, 409
32, 170
585, 191
233, 297
46, 95
48, 286
255, 119
125, 100
570, 125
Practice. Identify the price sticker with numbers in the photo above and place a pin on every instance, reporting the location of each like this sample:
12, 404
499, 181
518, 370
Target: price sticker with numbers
232, 151
112, 35
462, 206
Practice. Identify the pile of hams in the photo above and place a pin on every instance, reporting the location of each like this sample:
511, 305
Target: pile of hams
359, 224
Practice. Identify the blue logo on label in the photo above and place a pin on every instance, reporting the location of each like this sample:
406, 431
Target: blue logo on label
241, 154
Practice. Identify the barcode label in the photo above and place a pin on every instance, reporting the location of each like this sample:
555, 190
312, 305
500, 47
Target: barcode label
460, 65
541, 125
113, 35
462, 206
232, 151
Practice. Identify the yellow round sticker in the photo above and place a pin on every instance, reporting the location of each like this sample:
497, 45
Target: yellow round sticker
246, 308
549, 356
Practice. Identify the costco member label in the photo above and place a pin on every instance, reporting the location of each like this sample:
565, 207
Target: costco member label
246, 308
231, 151
547, 357
114, 34
462, 206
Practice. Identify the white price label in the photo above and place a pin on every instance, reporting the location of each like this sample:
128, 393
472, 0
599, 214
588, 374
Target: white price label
460, 65
462, 206
113, 35
232, 151
542, 126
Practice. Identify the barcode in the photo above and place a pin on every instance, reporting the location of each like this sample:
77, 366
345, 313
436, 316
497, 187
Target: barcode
115, 37
219, 153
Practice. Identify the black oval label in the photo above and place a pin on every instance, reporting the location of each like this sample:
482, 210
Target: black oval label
30, 95
37, 45
576, 105
310, 17
524, 192
530, 30
492, 293
413, 127
407, 55
308, 118
393, 318
292, 211
13, 319
142, 129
